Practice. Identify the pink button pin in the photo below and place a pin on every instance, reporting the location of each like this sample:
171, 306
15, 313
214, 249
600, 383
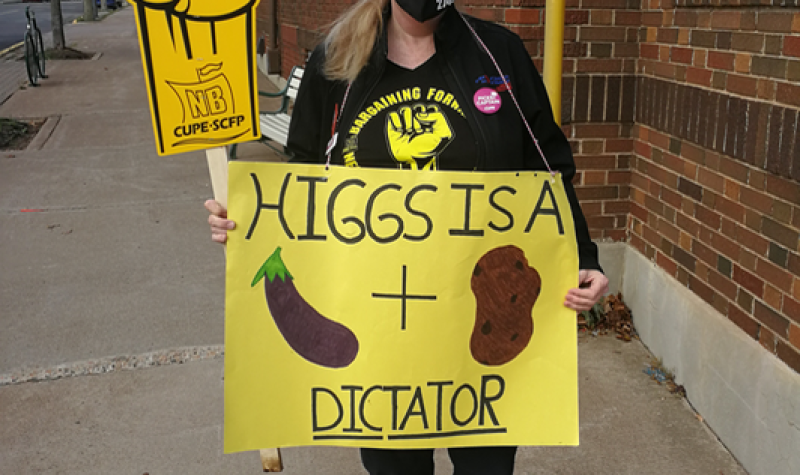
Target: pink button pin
487, 100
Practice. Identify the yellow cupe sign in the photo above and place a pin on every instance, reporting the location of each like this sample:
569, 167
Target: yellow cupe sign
199, 65
398, 308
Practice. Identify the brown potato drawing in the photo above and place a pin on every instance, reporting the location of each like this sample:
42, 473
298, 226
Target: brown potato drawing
505, 289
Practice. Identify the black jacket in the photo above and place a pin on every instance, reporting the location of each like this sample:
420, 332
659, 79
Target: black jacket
502, 141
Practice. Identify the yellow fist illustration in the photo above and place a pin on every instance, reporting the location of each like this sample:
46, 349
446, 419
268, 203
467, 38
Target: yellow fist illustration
417, 135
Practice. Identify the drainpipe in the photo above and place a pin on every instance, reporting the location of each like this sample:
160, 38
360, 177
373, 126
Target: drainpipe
273, 52
554, 53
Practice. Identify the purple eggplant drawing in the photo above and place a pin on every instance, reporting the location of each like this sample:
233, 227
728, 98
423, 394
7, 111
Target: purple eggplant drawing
313, 336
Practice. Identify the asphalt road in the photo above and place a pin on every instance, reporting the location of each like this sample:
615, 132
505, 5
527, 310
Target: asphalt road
13, 22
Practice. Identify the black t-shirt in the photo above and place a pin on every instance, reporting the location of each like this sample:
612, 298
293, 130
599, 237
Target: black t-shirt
410, 120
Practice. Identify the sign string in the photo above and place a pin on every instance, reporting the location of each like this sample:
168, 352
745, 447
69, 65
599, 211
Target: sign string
513, 97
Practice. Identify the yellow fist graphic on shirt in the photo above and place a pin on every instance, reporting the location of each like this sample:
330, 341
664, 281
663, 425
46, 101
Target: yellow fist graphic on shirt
417, 135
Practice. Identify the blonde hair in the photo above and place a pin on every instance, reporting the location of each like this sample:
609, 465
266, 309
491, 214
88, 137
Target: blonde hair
351, 39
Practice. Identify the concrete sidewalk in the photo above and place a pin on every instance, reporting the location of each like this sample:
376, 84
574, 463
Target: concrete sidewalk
112, 298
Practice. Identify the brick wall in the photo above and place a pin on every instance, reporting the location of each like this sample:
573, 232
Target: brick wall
684, 118
714, 183
598, 94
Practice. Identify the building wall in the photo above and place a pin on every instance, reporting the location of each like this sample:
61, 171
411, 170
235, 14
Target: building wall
684, 118
715, 198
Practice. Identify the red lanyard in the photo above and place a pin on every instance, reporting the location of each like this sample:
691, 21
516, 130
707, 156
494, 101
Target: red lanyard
337, 114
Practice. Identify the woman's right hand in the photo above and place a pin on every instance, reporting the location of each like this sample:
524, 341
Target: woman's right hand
218, 219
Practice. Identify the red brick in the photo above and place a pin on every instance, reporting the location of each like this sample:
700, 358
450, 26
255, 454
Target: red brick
794, 264
627, 18
796, 288
638, 244
597, 162
618, 145
681, 55
576, 17
619, 177
701, 289
788, 94
601, 17
747, 259
616, 235
733, 169
706, 216
597, 192
602, 33
732, 189
772, 319
722, 284
748, 281
687, 224
729, 208
749, 239
669, 266
743, 321
701, 77
744, 85
642, 149
527, 32
671, 198
596, 131
488, 14
600, 66
794, 335
774, 275
791, 308
768, 340
651, 236
773, 297
668, 230
789, 355
649, 50
718, 60
593, 208
522, 15
767, 89
742, 63
726, 20
791, 46
756, 200
775, 21
616, 207
782, 188
711, 180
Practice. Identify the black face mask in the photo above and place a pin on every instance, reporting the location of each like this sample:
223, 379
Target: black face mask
424, 10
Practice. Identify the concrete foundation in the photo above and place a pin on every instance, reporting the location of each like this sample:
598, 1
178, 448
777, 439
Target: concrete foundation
747, 396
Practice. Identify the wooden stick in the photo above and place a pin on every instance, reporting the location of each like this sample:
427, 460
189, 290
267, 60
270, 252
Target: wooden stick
218, 169
271, 460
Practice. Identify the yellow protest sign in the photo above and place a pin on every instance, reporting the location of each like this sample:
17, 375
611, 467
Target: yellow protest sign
398, 308
199, 65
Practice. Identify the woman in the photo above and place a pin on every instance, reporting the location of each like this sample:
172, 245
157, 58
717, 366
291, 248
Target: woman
415, 84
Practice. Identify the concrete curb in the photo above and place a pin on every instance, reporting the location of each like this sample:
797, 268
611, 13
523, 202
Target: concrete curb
113, 363
44, 133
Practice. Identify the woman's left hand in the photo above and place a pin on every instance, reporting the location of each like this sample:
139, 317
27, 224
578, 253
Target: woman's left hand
592, 285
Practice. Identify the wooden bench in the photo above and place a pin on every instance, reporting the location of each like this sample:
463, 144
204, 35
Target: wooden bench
275, 123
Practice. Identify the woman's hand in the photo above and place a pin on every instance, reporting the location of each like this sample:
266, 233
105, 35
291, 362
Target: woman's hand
220, 225
592, 285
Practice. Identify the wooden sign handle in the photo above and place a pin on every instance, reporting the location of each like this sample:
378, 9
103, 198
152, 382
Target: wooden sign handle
218, 169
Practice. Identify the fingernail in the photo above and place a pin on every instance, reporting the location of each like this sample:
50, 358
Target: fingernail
230, 225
